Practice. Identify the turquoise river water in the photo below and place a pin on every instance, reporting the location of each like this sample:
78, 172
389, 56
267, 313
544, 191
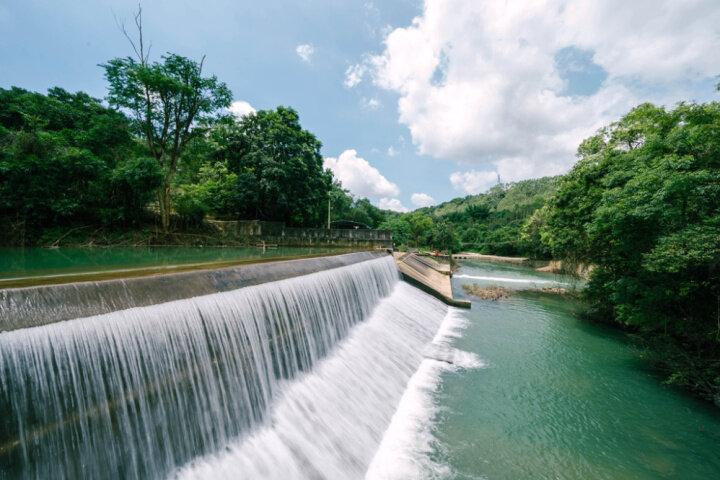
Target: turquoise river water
36, 262
346, 373
558, 397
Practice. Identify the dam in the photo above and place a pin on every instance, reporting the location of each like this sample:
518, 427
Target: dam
283, 370
331, 367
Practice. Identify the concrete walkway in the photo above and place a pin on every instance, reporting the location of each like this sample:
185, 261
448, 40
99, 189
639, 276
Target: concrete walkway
428, 275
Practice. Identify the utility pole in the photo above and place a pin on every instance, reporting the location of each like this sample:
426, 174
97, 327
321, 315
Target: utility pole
328, 213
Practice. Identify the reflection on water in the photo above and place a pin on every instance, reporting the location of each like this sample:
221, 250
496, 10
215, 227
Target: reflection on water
561, 398
31, 262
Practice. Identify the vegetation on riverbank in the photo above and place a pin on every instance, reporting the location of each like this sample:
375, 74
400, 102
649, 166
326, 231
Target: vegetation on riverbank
500, 222
68, 164
165, 155
643, 206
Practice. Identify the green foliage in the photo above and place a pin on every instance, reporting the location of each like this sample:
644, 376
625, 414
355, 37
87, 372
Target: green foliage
65, 159
344, 207
167, 100
643, 206
215, 192
420, 228
443, 236
501, 221
133, 184
278, 165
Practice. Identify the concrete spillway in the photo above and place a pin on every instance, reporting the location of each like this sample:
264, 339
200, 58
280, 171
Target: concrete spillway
429, 276
211, 374
34, 306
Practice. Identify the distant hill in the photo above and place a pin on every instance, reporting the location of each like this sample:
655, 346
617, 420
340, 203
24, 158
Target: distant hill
521, 198
491, 222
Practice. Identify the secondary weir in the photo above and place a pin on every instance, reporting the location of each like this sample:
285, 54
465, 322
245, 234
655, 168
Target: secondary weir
294, 378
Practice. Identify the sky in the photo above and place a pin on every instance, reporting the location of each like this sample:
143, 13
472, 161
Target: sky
415, 102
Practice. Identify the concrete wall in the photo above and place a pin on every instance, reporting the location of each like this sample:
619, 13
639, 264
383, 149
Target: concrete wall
34, 306
255, 231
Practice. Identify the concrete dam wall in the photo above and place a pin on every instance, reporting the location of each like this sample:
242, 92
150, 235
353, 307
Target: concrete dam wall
35, 306
210, 385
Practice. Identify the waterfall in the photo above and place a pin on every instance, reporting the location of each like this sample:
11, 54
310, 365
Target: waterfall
159, 390
329, 424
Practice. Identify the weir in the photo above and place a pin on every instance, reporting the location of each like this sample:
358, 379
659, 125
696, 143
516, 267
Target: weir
294, 378
33, 306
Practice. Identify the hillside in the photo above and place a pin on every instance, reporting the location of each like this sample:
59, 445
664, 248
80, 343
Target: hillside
491, 222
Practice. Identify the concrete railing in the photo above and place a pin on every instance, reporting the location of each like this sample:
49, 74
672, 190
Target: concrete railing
253, 231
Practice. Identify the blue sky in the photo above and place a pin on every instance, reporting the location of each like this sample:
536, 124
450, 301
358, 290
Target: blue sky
434, 99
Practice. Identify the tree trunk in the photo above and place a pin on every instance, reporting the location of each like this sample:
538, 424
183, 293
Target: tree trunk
164, 203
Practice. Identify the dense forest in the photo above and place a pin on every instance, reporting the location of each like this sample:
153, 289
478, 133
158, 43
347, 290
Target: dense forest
498, 222
68, 162
642, 205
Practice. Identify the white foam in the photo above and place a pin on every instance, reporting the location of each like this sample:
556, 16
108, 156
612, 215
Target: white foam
508, 280
406, 448
328, 423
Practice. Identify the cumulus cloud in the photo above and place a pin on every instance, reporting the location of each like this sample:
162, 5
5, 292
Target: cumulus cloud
392, 151
240, 108
421, 200
362, 179
305, 52
393, 204
478, 82
473, 181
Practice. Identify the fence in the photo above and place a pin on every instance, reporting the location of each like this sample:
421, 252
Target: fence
256, 231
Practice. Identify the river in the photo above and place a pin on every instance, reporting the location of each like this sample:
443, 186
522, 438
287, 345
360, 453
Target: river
28, 263
346, 373
560, 398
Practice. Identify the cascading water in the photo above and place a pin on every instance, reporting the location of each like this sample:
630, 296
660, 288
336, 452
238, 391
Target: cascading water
329, 424
224, 385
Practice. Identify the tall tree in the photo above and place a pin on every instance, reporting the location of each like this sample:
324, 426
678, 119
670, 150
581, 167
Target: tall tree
167, 100
279, 168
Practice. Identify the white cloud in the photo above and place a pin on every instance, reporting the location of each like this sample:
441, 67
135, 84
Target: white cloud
393, 204
361, 178
473, 181
305, 52
370, 103
478, 82
392, 151
354, 75
422, 199
240, 108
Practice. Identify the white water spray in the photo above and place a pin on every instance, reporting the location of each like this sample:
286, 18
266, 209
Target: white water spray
136, 393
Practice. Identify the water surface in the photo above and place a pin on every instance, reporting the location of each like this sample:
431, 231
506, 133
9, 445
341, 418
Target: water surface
560, 398
37, 262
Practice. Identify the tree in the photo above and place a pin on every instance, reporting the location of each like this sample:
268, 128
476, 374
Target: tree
643, 206
280, 174
420, 226
99, 174
443, 236
214, 191
167, 100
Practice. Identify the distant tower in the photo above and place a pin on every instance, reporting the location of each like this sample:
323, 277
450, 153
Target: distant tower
498, 175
